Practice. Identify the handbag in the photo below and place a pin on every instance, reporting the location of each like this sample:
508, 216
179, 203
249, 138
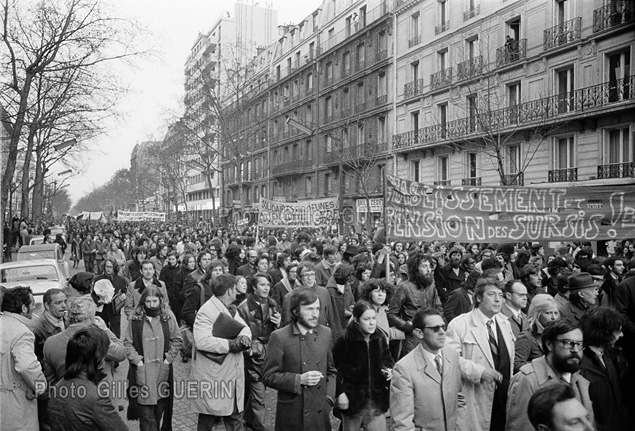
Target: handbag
118, 301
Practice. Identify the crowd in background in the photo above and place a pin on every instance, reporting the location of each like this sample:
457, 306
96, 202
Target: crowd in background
434, 335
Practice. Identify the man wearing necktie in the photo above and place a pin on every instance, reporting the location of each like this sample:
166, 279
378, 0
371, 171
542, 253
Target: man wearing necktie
562, 344
425, 390
485, 342
515, 302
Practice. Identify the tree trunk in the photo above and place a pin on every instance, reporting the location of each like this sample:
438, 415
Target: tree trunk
37, 208
26, 188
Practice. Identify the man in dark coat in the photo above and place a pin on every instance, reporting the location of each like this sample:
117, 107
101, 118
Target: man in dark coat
250, 267
299, 365
625, 305
452, 275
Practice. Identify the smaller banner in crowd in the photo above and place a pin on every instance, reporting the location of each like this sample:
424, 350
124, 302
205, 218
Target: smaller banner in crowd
310, 213
86, 215
415, 211
140, 216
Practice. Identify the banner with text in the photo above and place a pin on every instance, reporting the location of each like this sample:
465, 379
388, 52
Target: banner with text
415, 211
140, 216
310, 213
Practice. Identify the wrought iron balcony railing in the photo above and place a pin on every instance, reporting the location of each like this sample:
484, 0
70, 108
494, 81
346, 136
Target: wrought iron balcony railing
381, 55
471, 181
381, 100
413, 88
512, 51
583, 100
415, 40
471, 13
469, 68
441, 79
443, 183
364, 151
562, 33
613, 14
517, 179
444, 26
563, 175
291, 167
616, 170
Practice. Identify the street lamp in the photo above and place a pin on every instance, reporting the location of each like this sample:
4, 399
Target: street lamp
66, 172
65, 144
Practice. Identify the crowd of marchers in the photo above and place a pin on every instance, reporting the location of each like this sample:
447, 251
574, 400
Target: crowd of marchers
382, 335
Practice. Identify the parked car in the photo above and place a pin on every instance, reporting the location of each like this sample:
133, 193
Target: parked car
44, 251
39, 274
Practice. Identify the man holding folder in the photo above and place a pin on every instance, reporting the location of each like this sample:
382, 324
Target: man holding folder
220, 337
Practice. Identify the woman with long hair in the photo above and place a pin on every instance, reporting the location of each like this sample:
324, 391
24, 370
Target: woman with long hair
364, 365
111, 312
87, 409
153, 341
132, 270
542, 311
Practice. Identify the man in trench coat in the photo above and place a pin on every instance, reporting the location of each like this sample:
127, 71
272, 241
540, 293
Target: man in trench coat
300, 366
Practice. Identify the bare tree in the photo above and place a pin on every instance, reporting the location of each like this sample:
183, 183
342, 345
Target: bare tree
47, 40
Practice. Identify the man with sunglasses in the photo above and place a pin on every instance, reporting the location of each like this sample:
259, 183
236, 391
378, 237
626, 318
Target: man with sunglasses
563, 343
425, 390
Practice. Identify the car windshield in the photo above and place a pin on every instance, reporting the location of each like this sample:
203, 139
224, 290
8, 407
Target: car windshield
26, 273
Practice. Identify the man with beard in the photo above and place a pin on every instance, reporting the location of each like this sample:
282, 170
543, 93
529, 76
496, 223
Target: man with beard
562, 342
299, 365
283, 261
411, 296
614, 270
452, 275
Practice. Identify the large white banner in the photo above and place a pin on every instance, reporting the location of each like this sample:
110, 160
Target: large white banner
140, 216
310, 213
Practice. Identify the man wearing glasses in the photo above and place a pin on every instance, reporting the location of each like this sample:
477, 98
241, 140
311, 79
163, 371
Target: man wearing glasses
425, 389
484, 340
562, 342
515, 301
249, 268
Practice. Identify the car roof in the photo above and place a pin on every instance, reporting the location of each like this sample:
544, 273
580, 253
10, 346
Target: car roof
31, 262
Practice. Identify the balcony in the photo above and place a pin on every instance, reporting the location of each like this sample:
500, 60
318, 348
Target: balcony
444, 26
613, 14
562, 34
469, 68
563, 175
361, 106
471, 13
381, 55
443, 183
615, 170
513, 50
549, 109
441, 79
413, 88
360, 152
415, 40
471, 181
517, 179
291, 167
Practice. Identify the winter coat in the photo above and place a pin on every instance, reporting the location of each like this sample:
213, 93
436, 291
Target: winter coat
82, 413
133, 294
251, 311
606, 389
19, 373
227, 378
468, 336
291, 354
458, 303
340, 303
528, 347
359, 369
154, 371
450, 281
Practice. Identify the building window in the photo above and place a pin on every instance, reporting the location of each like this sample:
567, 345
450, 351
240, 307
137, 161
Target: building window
513, 159
618, 147
345, 139
309, 185
414, 70
328, 143
414, 121
513, 100
360, 134
472, 47
415, 170
472, 108
415, 35
381, 130
619, 69
443, 118
563, 152
443, 174
328, 184
564, 11
472, 165
565, 90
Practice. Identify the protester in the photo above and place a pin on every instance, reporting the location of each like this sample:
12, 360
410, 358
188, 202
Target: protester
515, 301
461, 300
341, 297
173, 278
562, 344
219, 358
364, 365
426, 385
21, 378
452, 275
528, 346
486, 369
583, 293
555, 408
51, 321
299, 365
111, 313
136, 288
152, 344
262, 315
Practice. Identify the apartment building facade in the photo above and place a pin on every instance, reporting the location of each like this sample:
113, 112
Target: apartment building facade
536, 92
316, 119
233, 39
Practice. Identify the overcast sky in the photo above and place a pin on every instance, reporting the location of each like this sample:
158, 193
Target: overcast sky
157, 83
